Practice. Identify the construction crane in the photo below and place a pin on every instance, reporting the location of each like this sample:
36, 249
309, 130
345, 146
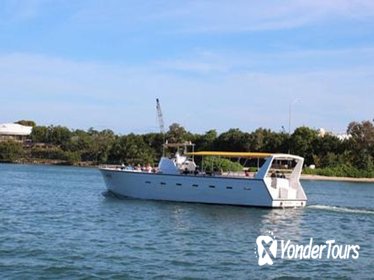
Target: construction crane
159, 116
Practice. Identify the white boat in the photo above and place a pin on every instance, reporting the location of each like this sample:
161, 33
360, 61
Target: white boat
177, 179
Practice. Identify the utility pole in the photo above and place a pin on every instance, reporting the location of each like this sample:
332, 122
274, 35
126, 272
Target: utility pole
289, 122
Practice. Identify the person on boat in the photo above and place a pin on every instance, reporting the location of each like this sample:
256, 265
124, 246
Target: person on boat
148, 168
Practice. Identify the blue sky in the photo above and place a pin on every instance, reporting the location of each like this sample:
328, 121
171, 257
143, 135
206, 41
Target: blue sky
213, 64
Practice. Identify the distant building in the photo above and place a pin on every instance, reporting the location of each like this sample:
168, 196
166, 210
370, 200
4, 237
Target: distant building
15, 132
341, 136
321, 132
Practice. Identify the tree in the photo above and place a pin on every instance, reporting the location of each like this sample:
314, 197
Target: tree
221, 164
177, 134
26, 123
155, 142
103, 142
72, 157
10, 151
206, 141
233, 140
328, 151
80, 141
131, 149
302, 143
39, 134
361, 144
265, 140
96, 145
58, 135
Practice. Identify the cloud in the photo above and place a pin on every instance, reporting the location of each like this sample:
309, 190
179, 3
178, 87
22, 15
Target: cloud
301, 61
81, 94
219, 16
12, 11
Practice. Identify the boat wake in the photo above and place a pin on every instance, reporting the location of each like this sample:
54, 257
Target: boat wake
342, 209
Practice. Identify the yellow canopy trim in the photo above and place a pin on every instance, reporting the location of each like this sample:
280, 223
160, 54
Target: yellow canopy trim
230, 154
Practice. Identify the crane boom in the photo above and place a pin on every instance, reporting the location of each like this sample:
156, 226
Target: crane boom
159, 116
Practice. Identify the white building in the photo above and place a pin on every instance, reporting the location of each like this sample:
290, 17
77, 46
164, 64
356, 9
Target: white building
341, 136
14, 131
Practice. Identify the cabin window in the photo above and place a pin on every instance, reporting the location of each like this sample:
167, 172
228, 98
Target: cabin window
147, 182
229, 188
178, 184
211, 186
163, 183
194, 185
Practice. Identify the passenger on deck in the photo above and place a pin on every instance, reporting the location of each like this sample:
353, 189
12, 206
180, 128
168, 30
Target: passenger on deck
148, 168
217, 171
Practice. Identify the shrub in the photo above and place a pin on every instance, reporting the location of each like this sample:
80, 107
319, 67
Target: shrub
214, 163
10, 151
343, 170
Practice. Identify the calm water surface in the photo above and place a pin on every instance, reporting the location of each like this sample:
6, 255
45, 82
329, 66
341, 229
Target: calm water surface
57, 224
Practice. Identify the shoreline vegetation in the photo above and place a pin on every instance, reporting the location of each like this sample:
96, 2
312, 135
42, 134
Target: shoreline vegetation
327, 157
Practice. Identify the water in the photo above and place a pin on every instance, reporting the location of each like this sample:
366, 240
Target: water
56, 224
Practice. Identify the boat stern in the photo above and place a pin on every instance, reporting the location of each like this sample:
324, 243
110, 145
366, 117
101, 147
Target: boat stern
281, 175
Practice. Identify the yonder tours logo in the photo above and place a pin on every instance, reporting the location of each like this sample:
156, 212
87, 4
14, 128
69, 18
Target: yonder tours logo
269, 248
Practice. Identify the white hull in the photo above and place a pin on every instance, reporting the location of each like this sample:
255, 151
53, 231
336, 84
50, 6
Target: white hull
201, 189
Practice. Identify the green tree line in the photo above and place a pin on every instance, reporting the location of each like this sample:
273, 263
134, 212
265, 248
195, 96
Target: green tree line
331, 156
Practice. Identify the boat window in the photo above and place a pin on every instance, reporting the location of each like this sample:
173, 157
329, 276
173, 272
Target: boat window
229, 188
178, 184
194, 185
212, 187
163, 183
147, 182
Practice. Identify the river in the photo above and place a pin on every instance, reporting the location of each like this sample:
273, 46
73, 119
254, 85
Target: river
57, 224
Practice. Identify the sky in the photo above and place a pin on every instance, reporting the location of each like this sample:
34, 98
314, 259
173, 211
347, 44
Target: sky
213, 64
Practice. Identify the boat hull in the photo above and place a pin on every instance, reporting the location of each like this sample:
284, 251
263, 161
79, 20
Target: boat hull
189, 188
